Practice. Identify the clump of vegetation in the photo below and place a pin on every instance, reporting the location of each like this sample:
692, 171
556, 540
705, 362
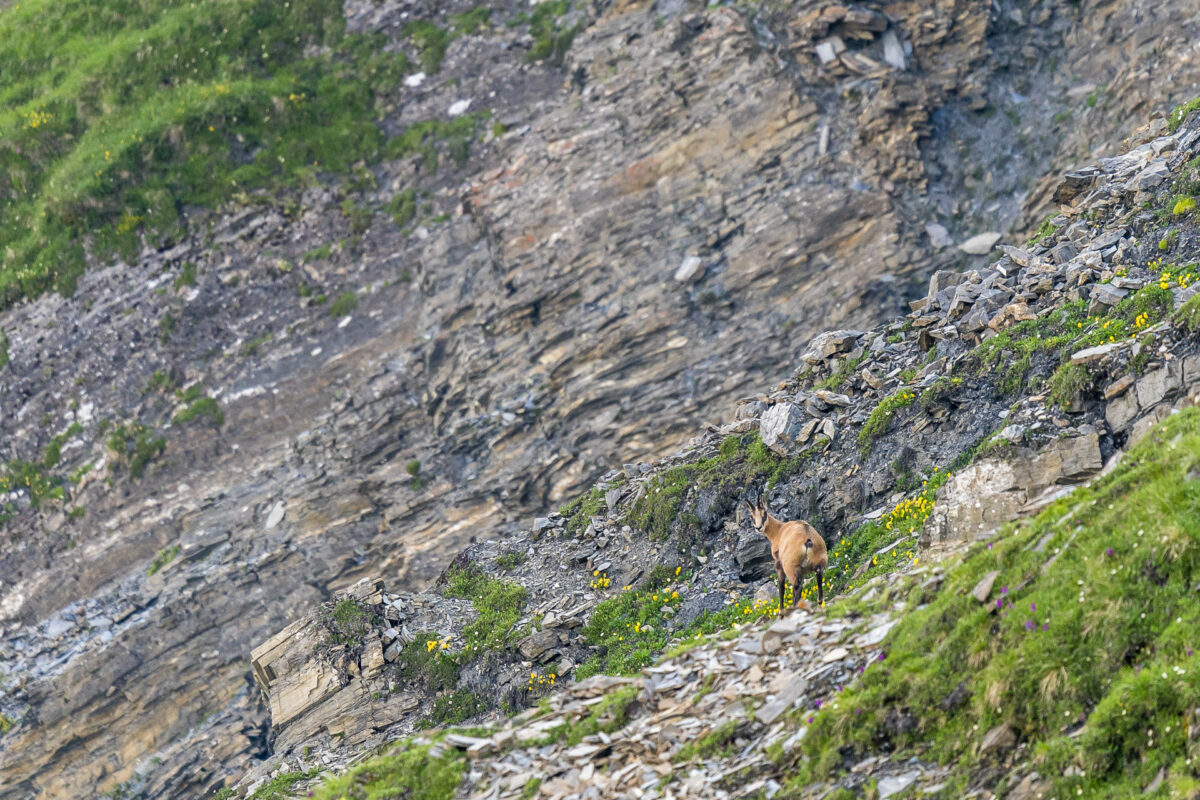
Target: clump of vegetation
470, 22
1044, 231
1180, 113
403, 207
134, 446
550, 40
106, 137
739, 464
187, 276
1067, 384
1184, 205
451, 709
715, 743
280, 787
7, 723
612, 713
844, 371
877, 547
250, 348
579, 512
877, 424
347, 622
403, 770
430, 668
164, 557
939, 390
343, 304
1085, 647
631, 627
1187, 316
3, 350
510, 560
431, 43
498, 603
53, 452
198, 404
422, 138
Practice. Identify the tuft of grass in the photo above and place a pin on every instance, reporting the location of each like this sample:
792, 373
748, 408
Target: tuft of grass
134, 446
881, 417
430, 41
53, 452
715, 743
550, 40
844, 371
498, 603
1085, 648
164, 557
579, 512
470, 22
451, 709
198, 404
1044, 231
939, 390
1187, 316
403, 207
429, 668
403, 770
1067, 384
280, 787
347, 622
510, 560
3, 350
1184, 205
1180, 113
610, 714
187, 276
343, 304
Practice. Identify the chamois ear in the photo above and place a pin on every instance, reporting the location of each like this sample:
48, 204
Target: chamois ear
746, 503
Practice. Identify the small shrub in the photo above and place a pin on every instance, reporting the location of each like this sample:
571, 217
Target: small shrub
164, 557
347, 622
431, 43
343, 304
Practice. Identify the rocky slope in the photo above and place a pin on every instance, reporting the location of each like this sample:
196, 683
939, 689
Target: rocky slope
1001, 392
689, 190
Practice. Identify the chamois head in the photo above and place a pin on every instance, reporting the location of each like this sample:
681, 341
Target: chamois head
758, 512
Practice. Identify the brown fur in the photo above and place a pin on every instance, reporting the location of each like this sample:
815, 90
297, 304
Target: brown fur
796, 547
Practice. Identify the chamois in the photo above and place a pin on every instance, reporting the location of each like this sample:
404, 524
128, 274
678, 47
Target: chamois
796, 547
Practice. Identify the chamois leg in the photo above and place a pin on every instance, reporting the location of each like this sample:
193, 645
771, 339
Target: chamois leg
779, 572
820, 588
797, 589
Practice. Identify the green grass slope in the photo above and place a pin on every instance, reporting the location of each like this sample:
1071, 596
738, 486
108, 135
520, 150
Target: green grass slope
115, 115
1086, 646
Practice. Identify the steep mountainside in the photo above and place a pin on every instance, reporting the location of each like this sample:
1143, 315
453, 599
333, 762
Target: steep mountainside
535, 244
994, 626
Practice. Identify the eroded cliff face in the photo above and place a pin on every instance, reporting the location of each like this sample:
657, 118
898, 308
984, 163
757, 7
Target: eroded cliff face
669, 217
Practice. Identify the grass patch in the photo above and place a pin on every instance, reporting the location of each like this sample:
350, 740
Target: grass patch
631, 628
1180, 113
714, 744
134, 446
1067, 384
451, 709
403, 771
118, 116
343, 304
164, 557
198, 404
1044, 231
428, 667
53, 451
280, 787
470, 22
1085, 648
877, 424
1187, 316
551, 41
3, 350
844, 371
347, 622
510, 560
939, 390
612, 713
499, 605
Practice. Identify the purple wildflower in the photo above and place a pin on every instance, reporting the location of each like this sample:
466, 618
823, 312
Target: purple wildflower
1003, 590
818, 706
858, 711
810, 720
882, 656
1108, 552
1033, 606
1029, 625
999, 602
989, 545
1046, 627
